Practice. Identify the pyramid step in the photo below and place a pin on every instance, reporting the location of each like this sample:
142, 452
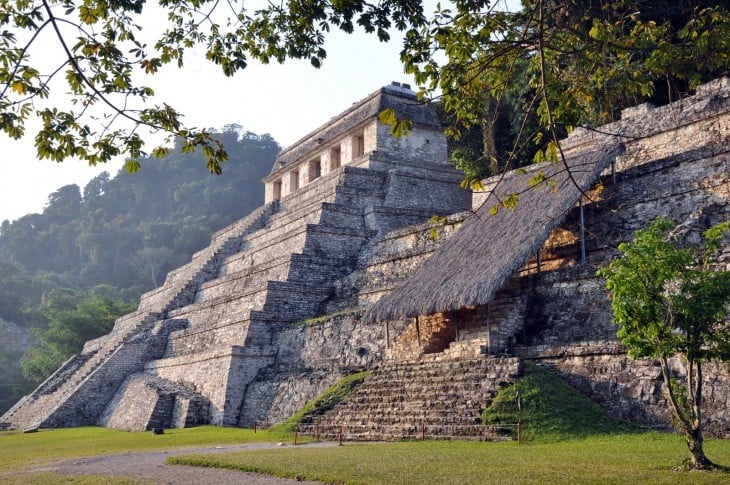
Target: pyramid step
440, 399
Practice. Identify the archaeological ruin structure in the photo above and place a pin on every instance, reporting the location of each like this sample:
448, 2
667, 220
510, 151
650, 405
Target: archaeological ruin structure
337, 272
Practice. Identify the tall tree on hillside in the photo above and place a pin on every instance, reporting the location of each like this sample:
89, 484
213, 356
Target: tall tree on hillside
669, 302
16, 291
152, 263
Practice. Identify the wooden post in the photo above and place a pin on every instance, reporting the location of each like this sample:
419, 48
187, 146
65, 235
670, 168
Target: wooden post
519, 421
418, 331
539, 262
296, 430
489, 328
387, 336
582, 234
423, 429
339, 437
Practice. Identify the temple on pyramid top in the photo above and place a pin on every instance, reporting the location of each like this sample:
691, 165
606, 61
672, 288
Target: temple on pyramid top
356, 137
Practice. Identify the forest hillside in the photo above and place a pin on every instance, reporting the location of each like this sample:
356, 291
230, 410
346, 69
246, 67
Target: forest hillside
94, 250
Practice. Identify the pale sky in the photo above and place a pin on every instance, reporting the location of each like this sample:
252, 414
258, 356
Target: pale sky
287, 101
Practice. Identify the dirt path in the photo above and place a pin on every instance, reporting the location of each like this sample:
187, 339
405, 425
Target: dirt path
150, 465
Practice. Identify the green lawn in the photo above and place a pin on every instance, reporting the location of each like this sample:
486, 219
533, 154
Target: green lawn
623, 458
20, 450
570, 440
632, 458
56, 479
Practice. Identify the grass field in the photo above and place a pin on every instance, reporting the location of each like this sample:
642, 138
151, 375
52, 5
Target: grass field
645, 457
20, 450
570, 440
639, 458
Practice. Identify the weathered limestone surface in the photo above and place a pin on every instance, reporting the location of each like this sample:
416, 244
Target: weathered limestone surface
440, 399
219, 323
682, 174
156, 403
272, 312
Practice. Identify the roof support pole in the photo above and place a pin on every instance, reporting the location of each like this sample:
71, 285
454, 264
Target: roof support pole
418, 332
387, 336
489, 328
539, 262
582, 234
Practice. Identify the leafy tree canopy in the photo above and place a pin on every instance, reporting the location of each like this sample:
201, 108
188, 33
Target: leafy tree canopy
102, 52
73, 319
552, 65
669, 302
557, 64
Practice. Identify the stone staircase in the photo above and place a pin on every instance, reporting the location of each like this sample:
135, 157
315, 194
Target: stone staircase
37, 408
213, 319
71, 395
282, 272
182, 284
438, 399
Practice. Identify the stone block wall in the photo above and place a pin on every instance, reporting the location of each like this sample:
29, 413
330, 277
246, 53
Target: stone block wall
633, 389
206, 373
424, 143
310, 357
144, 402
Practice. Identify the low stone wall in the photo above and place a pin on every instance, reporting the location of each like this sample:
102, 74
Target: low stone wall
206, 373
145, 401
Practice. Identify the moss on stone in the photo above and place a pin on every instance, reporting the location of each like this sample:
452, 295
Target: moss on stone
549, 409
322, 403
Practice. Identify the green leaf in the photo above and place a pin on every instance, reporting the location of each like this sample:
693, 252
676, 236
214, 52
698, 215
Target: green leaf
511, 201
132, 166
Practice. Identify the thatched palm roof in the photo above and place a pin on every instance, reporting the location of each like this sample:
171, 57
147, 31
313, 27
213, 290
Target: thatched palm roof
471, 266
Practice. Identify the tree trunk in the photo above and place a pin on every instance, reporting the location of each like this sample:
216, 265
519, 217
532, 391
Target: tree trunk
489, 147
697, 459
693, 436
688, 417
